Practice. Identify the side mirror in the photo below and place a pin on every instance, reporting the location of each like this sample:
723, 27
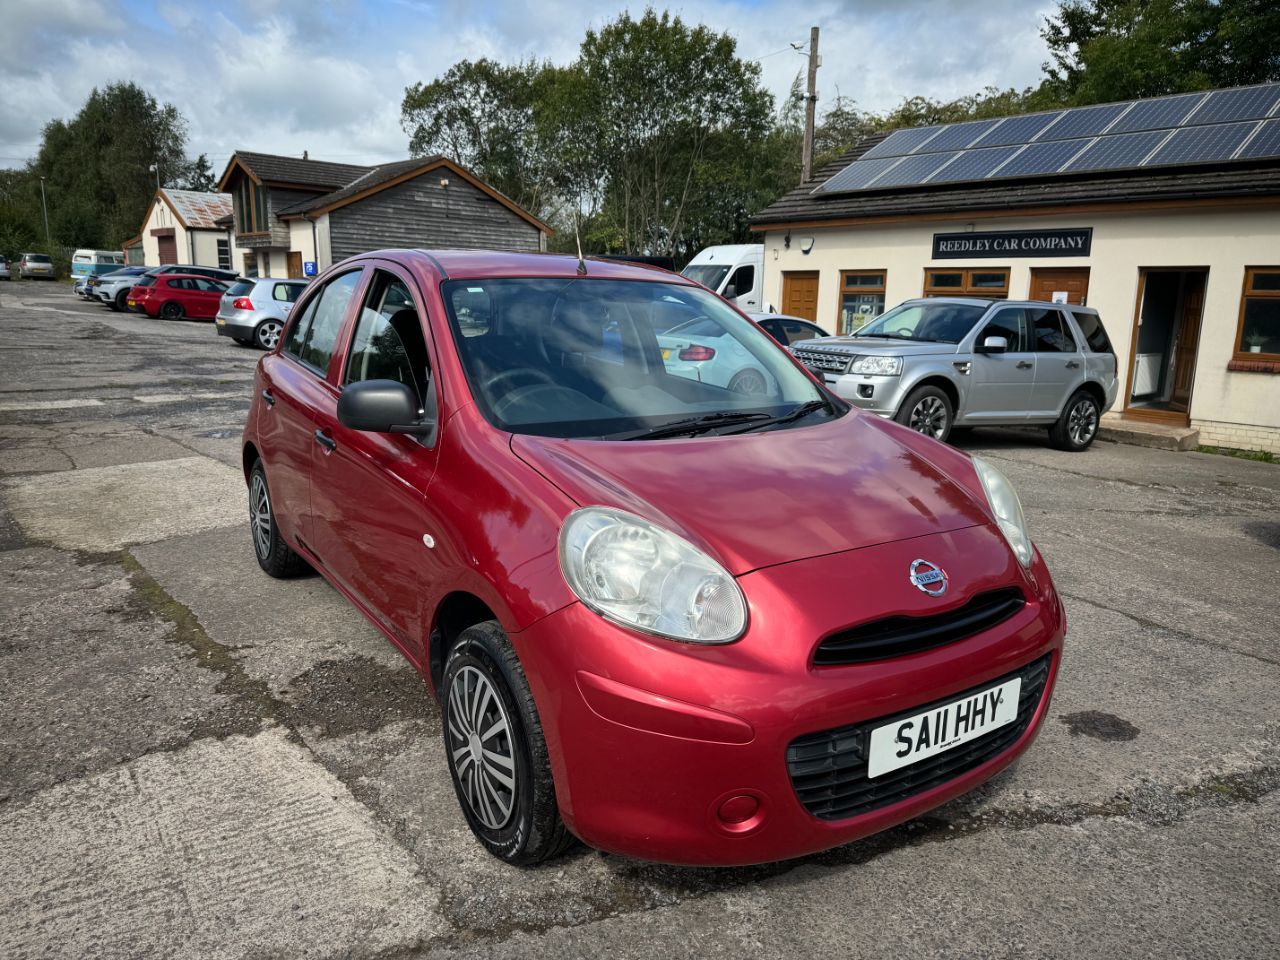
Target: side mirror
730, 292
383, 406
994, 345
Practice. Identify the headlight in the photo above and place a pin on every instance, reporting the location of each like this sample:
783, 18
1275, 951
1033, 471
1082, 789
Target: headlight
1004, 504
881, 366
639, 575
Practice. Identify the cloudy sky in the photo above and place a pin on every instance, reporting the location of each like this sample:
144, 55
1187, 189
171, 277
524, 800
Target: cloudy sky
283, 76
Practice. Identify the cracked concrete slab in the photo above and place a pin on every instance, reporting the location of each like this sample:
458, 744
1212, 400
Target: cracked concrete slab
238, 848
105, 508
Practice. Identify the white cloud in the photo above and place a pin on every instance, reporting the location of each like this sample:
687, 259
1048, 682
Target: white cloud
291, 75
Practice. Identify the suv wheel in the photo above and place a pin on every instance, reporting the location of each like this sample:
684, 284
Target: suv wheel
927, 410
496, 752
267, 334
275, 556
121, 302
1077, 428
171, 311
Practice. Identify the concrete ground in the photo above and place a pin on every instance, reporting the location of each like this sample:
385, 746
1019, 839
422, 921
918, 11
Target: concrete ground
198, 761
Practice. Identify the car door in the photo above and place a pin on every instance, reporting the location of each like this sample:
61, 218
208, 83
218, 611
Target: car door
1059, 361
368, 490
294, 387
205, 298
1001, 383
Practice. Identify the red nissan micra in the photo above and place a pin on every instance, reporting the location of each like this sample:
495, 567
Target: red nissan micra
678, 621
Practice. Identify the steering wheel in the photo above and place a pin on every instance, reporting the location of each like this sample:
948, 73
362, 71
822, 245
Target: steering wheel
531, 373
904, 332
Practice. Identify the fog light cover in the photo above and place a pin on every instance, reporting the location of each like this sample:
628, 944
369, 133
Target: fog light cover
637, 574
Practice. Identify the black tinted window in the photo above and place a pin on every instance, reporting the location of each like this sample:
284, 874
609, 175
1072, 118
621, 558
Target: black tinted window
1007, 324
743, 279
287, 292
240, 288
1050, 333
1095, 335
326, 319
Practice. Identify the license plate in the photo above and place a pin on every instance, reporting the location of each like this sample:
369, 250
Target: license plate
133, 303
220, 322
666, 353
936, 731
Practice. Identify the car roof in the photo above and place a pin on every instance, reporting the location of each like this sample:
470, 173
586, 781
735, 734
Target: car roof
479, 264
191, 276
994, 302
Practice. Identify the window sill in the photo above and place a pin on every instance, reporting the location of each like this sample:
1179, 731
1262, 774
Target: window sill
1246, 364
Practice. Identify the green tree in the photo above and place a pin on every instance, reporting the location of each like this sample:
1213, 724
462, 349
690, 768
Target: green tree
1103, 50
198, 175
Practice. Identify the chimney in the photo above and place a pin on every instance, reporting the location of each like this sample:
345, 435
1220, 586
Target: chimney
304, 155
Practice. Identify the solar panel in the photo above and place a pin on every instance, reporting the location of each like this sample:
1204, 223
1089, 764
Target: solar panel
912, 170
1202, 144
1265, 144
1243, 103
1117, 152
1017, 130
1157, 114
857, 175
974, 164
1083, 122
957, 136
900, 142
1049, 157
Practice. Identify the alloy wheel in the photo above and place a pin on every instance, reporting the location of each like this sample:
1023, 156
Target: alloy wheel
929, 417
481, 750
1082, 422
260, 515
268, 334
750, 382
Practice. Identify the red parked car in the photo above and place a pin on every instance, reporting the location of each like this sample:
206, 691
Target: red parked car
173, 296
677, 622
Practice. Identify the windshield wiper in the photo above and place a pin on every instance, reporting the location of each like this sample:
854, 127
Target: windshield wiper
691, 425
801, 411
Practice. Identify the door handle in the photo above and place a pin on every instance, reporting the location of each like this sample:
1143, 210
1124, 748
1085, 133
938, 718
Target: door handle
1025, 364
269, 398
1072, 364
326, 441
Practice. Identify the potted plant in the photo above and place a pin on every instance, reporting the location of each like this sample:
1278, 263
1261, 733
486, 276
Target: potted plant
1255, 340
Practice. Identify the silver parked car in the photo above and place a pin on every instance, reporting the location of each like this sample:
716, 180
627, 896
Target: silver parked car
945, 362
113, 288
786, 329
36, 265
253, 310
4, 269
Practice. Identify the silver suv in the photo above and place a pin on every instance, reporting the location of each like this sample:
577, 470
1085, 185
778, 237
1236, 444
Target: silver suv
946, 362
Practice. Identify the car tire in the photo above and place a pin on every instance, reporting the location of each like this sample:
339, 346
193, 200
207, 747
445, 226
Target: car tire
927, 410
121, 302
1077, 428
243, 341
267, 334
517, 821
275, 557
749, 382
171, 310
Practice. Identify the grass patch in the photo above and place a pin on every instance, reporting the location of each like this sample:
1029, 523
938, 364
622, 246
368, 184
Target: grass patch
1261, 456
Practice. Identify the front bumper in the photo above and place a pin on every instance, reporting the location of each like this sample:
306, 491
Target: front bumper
648, 738
875, 394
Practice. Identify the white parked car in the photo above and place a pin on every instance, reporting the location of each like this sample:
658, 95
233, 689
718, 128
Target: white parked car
701, 350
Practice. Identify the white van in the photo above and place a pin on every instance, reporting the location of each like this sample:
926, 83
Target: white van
735, 271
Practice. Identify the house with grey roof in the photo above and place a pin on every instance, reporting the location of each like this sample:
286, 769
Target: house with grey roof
182, 226
294, 216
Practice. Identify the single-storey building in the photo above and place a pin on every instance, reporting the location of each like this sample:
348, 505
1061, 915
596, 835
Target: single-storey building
182, 227
1164, 214
295, 217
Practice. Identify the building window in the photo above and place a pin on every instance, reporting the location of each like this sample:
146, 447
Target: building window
861, 299
967, 282
251, 207
1258, 335
251, 264
224, 254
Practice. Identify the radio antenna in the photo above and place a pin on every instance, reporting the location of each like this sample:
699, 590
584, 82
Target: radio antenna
582, 264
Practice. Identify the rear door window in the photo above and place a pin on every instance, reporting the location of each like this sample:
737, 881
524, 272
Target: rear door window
286, 292
1050, 332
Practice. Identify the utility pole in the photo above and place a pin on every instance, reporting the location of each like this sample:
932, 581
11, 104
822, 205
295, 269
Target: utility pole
44, 205
810, 107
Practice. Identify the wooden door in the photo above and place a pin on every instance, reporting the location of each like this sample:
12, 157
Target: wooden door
1046, 281
1188, 341
168, 250
800, 295
295, 265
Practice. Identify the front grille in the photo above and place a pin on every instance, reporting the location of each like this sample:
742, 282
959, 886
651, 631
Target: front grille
829, 769
899, 636
827, 362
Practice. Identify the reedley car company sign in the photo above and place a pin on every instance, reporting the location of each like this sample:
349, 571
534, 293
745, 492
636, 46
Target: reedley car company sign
1014, 243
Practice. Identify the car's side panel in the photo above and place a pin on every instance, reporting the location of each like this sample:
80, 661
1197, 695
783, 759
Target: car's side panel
1001, 385
286, 425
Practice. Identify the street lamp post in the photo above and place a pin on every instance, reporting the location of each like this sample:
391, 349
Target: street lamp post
44, 205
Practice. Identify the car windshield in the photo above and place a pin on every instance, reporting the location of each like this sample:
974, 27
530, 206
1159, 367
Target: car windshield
707, 274
586, 358
934, 322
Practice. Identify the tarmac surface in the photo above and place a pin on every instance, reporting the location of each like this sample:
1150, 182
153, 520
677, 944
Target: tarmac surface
198, 761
